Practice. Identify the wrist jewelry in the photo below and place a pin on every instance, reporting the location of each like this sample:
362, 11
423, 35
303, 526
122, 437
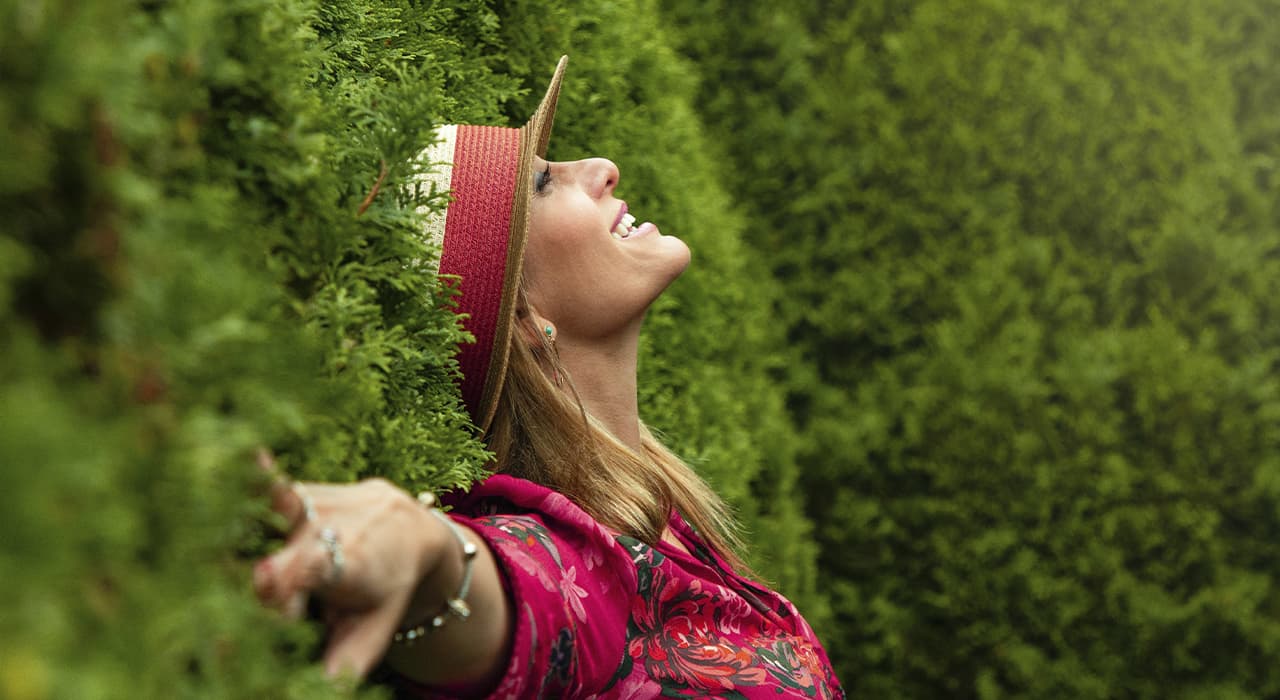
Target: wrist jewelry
457, 605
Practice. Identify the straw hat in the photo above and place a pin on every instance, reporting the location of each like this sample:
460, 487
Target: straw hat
482, 234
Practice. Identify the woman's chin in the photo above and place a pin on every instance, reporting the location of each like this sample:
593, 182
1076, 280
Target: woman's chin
676, 257
676, 260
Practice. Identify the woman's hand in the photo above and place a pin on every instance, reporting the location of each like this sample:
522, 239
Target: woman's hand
363, 549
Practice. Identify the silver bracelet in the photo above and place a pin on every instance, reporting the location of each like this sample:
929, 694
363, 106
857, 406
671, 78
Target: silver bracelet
455, 606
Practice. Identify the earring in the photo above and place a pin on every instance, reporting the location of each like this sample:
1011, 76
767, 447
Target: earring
550, 331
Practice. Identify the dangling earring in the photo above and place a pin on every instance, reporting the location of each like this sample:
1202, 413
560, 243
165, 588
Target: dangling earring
550, 331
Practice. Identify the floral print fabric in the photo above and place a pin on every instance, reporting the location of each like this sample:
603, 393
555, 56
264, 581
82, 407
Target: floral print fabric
602, 615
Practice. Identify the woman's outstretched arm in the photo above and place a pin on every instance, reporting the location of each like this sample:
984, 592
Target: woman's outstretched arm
399, 563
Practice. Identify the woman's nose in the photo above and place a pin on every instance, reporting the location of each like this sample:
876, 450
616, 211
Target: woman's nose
601, 176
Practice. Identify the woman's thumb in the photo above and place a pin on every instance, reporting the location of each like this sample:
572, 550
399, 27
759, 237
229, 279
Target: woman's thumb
358, 641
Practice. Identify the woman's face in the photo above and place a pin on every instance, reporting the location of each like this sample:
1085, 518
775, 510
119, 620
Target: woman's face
586, 270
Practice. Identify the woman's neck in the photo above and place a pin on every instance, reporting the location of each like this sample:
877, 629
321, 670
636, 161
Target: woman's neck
604, 375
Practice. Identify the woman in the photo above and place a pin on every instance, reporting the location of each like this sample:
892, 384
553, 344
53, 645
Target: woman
594, 563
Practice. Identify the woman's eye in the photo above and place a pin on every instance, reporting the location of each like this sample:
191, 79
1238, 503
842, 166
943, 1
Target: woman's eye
542, 179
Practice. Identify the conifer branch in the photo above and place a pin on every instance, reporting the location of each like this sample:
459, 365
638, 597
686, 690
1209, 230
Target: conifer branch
377, 185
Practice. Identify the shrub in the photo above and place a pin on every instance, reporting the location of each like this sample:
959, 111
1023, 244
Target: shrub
1028, 253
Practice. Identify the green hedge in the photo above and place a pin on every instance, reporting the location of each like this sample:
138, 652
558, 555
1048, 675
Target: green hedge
1031, 254
208, 245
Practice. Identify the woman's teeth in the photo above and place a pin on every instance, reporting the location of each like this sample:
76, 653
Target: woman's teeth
625, 227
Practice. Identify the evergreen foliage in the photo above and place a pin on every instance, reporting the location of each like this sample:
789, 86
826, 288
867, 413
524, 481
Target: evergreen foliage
1030, 253
209, 244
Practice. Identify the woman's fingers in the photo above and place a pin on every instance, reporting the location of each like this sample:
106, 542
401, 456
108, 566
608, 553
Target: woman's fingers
266, 462
285, 579
311, 559
293, 500
288, 498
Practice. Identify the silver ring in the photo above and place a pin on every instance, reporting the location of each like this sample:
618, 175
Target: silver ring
308, 505
329, 539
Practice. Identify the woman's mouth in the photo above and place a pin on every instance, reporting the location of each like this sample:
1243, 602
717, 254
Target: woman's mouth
625, 225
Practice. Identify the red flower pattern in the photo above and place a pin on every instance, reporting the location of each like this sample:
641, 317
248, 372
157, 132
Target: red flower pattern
679, 641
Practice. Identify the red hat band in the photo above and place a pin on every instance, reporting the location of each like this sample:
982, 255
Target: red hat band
477, 242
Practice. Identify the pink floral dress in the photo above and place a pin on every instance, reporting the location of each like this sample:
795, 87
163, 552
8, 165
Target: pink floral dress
603, 615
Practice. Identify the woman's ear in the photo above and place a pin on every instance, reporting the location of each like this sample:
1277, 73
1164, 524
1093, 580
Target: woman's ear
536, 328
540, 334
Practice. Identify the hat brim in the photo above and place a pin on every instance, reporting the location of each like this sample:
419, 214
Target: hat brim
545, 115
534, 139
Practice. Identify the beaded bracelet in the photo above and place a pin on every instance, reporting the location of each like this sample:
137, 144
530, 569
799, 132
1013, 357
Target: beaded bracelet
455, 606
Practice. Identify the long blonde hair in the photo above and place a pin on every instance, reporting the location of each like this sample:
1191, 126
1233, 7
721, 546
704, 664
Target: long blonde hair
542, 432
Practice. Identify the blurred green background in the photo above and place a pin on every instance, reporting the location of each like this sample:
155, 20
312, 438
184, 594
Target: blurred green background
980, 336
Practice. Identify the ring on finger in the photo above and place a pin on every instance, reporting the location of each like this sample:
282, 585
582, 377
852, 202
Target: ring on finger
333, 547
308, 504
